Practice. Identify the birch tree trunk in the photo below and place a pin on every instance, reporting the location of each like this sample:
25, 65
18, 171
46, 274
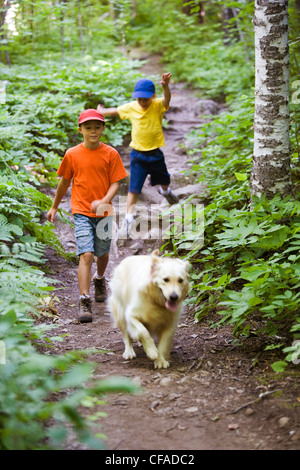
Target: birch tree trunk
271, 156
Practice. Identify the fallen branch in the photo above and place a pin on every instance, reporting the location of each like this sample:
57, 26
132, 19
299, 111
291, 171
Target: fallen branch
255, 360
260, 397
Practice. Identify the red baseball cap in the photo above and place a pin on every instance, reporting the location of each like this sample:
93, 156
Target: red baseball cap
90, 115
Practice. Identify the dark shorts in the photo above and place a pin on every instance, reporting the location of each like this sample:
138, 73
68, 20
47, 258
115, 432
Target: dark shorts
143, 164
93, 234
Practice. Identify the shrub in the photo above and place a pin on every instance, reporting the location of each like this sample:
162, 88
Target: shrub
250, 260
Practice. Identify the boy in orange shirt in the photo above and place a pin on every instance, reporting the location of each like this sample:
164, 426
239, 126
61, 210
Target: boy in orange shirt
96, 169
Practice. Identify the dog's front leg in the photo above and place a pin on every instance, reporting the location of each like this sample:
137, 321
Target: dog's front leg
164, 347
140, 333
129, 352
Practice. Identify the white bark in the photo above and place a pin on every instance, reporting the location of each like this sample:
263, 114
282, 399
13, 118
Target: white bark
271, 156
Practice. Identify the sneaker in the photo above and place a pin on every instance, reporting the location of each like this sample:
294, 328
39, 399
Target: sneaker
170, 197
100, 289
85, 309
125, 229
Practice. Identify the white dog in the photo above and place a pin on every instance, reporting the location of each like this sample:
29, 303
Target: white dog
146, 299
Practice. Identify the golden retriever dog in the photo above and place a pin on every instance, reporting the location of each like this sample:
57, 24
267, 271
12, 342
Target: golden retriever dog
147, 293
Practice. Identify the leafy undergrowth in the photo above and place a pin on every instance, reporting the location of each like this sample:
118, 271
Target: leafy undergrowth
248, 268
249, 265
41, 394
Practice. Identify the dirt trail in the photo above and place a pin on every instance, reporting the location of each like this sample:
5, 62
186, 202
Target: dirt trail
214, 395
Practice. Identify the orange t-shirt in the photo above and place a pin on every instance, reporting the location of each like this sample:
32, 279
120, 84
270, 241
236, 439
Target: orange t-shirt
93, 172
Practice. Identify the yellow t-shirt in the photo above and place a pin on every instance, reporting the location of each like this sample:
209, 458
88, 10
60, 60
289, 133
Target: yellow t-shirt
146, 133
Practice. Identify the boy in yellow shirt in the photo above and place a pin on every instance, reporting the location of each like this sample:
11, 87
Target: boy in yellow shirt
145, 115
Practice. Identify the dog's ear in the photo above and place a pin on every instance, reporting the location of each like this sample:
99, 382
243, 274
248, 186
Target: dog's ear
187, 265
155, 253
154, 260
188, 268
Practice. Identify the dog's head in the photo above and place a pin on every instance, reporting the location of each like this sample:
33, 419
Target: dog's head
171, 276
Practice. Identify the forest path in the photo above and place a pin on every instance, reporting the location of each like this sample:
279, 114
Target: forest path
210, 397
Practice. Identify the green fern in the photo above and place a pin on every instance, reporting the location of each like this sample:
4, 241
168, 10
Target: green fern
21, 283
7, 230
21, 209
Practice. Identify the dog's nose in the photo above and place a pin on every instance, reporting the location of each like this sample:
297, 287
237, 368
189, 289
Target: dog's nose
173, 297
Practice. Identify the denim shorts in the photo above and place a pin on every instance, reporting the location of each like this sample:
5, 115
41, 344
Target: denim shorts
147, 163
93, 234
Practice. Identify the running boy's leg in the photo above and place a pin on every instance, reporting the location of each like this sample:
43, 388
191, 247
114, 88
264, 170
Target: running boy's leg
160, 176
138, 174
84, 272
131, 201
84, 281
99, 278
103, 236
84, 233
129, 216
102, 262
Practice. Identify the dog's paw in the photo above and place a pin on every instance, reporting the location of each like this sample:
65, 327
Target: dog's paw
150, 348
152, 354
129, 354
161, 363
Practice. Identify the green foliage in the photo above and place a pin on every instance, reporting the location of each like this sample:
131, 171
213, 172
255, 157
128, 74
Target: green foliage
39, 121
65, 58
249, 264
212, 69
250, 260
226, 144
41, 394
59, 28
197, 53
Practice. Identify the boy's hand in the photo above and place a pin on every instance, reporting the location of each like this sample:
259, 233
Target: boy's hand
95, 205
100, 108
165, 79
101, 208
51, 214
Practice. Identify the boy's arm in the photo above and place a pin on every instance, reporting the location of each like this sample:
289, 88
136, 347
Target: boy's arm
107, 111
62, 188
166, 90
105, 201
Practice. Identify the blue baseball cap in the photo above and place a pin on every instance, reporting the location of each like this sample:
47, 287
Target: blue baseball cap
144, 88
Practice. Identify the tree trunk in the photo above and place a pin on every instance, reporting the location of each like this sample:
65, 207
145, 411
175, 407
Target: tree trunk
271, 158
188, 10
61, 4
4, 6
231, 32
80, 27
112, 9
